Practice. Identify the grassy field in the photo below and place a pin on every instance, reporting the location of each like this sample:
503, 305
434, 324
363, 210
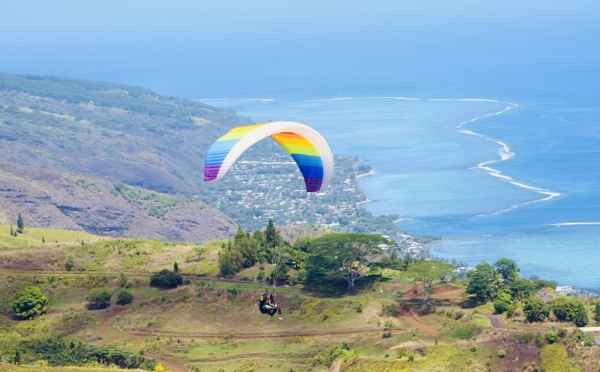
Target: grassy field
211, 324
36, 236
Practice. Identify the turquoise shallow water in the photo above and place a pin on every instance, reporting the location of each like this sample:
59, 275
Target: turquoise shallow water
441, 180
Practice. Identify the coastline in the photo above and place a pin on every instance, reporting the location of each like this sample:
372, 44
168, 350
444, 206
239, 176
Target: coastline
369, 173
367, 200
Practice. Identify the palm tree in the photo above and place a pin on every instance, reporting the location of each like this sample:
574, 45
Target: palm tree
497, 281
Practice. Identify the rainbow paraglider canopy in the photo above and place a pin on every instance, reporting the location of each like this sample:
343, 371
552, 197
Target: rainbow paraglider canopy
308, 148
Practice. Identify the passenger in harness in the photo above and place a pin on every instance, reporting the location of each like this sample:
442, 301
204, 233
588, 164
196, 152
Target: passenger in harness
267, 305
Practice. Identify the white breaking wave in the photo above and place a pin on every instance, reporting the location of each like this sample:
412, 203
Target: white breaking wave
576, 224
236, 99
364, 99
504, 151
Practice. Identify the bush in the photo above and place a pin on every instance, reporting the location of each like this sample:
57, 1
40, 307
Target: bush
329, 355
124, 297
500, 306
405, 353
551, 337
561, 332
29, 302
58, 352
527, 337
98, 298
570, 309
501, 353
536, 310
554, 358
166, 279
459, 315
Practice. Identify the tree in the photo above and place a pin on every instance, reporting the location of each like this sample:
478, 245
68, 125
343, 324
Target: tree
124, 297
272, 236
346, 256
230, 260
29, 302
597, 312
480, 282
20, 224
69, 264
579, 314
570, 309
98, 298
508, 268
536, 310
175, 267
521, 289
427, 273
166, 279
497, 281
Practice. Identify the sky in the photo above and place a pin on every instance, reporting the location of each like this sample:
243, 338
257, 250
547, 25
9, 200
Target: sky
198, 48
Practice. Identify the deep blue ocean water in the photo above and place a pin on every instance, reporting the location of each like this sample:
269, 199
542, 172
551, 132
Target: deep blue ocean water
437, 168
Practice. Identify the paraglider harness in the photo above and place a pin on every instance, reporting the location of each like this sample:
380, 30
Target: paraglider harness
266, 305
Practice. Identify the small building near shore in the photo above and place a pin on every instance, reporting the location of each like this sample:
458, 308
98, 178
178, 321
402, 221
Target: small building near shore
564, 289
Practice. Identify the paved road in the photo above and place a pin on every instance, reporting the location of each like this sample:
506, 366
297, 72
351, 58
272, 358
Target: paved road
590, 329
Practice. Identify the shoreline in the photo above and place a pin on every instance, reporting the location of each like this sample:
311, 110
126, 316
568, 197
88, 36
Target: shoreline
367, 200
369, 173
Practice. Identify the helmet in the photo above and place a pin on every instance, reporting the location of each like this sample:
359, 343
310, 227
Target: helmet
266, 293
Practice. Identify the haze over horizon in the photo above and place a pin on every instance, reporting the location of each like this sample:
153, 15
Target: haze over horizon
198, 49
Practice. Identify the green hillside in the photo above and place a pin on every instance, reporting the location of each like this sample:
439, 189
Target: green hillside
213, 324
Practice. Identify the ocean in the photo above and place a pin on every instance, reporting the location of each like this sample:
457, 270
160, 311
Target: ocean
495, 178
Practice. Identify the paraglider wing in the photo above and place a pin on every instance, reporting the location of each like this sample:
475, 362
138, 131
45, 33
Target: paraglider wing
306, 146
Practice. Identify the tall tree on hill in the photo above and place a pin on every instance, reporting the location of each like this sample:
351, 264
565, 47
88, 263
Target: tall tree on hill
508, 268
346, 256
480, 282
272, 236
20, 224
597, 312
428, 273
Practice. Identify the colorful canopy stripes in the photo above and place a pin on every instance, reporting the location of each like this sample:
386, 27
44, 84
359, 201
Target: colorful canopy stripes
307, 147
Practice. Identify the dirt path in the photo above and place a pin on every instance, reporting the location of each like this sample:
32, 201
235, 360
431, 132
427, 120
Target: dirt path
495, 319
256, 337
113, 312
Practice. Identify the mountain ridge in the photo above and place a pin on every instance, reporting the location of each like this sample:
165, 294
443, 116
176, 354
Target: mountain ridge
56, 132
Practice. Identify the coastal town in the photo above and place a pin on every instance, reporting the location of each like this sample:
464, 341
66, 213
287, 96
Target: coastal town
257, 190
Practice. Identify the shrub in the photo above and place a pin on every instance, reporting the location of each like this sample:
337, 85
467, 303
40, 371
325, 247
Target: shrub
500, 306
124, 297
554, 358
551, 337
166, 279
98, 298
536, 310
459, 314
539, 340
527, 337
561, 332
29, 302
570, 309
405, 353
123, 282
501, 353
329, 355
